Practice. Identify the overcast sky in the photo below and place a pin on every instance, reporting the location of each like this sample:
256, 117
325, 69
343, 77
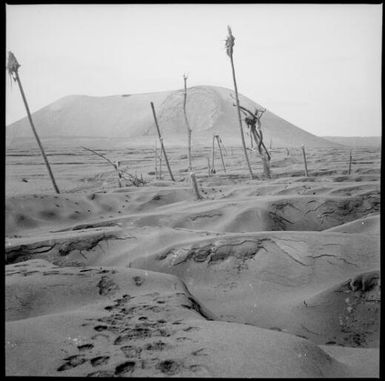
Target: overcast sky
317, 66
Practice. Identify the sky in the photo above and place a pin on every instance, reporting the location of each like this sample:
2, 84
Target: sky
317, 66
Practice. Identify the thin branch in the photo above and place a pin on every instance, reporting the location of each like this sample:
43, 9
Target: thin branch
101, 155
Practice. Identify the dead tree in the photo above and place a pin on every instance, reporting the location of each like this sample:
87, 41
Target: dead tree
189, 130
117, 166
253, 122
229, 50
251, 142
195, 186
13, 71
304, 160
161, 142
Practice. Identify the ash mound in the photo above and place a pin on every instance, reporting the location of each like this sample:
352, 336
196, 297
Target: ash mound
210, 111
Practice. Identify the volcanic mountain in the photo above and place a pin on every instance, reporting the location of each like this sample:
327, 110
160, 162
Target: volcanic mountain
210, 111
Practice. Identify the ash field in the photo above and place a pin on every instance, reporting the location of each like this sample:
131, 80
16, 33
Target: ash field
260, 277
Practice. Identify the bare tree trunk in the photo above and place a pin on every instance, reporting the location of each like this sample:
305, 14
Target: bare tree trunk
240, 120
35, 133
189, 131
119, 173
208, 165
161, 142
195, 186
266, 166
160, 163
230, 44
350, 163
263, 153
304, 160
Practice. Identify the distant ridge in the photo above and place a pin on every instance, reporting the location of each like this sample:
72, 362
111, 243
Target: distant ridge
210, 111
356, 141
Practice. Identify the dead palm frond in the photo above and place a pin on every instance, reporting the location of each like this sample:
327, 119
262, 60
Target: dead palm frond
229, 44
12, 67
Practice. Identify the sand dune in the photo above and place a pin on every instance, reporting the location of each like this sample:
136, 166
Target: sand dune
367, 225
210, 111
335, 315
258, 279
234, 210
261, 278
120, 326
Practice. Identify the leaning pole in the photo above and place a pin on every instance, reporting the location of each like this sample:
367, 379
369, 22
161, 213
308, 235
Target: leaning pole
13, 68
161, 141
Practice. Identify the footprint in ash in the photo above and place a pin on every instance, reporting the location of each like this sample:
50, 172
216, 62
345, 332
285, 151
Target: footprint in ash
125, 368
169, 367
72, 362
85, 347
100, 360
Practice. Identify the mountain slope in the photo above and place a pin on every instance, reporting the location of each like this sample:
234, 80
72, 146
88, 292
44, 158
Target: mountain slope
356, 141
210, 111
